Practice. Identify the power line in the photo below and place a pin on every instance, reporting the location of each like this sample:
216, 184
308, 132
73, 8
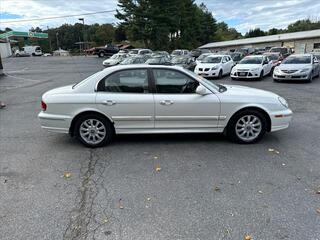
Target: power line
65, 16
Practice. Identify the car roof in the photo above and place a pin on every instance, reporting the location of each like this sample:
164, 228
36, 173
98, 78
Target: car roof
300, 55
133, 66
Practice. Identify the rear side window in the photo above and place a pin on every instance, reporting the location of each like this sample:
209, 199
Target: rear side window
126, 81
174, 82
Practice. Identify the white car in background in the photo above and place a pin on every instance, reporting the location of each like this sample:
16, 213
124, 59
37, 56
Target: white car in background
115, 59
140, 51
252, 67
297, 67
140, 99
214, 66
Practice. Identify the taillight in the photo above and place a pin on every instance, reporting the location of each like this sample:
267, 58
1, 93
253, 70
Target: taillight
43, 106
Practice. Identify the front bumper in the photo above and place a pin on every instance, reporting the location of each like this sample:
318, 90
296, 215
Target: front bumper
280, 120
207, 72
291, 76
245, 74
54, 122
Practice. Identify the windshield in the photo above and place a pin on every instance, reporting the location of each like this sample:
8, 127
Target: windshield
154, 60
135, 51
251, 60
236, 56
297, 60
179, 60
128, 61
202, 56
86, 79
212, 59
273, 56
176, 52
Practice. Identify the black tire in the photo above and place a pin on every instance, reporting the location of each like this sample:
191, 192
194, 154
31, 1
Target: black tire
261, 75
107, 125
101, 54
220, 74
310, 78
231, 128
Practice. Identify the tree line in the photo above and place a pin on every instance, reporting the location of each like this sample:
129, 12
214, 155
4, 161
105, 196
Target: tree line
155, 24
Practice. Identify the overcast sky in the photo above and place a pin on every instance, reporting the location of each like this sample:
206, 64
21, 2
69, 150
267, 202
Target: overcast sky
240, 14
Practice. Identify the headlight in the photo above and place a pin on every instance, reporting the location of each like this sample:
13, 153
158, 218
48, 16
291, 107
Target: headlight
283, 102
214, 68
306, 70
277, 70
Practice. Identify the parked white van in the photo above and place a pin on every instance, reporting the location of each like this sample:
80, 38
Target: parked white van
30, 50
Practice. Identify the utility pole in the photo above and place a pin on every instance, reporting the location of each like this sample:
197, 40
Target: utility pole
84, 38
57, 34
49, 40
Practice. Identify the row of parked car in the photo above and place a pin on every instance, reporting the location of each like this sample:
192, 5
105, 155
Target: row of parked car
238, 65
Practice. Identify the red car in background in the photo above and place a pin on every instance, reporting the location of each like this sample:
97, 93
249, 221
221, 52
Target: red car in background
275, 57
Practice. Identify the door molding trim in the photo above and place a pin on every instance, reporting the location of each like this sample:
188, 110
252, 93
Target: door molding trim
132, 118
188, 118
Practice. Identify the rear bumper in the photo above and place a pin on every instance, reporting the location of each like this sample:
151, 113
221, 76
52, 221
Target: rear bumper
280, 120
54, 122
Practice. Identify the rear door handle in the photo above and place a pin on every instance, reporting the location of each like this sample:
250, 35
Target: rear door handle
166, 102
108, 102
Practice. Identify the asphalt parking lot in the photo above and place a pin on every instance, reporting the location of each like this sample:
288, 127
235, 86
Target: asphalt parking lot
189, 187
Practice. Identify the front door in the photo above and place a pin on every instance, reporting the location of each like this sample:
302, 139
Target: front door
179, 107
124, 96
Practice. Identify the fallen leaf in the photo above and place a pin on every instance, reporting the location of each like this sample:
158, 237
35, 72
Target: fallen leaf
273, 150
67, 174
148, 199
318, 191
318, 210
260, 192
283, 164
217, 189
248, 237
158, 168
155, 157
105, 220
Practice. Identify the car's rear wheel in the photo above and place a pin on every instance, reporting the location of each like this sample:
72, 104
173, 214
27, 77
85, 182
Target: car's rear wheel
94, 131
247, 127
101, 54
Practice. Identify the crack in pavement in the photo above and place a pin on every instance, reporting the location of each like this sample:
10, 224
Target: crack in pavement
87, 218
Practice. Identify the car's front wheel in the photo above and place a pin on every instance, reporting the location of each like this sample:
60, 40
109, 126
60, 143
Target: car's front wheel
247, 126
94, 131
101, 54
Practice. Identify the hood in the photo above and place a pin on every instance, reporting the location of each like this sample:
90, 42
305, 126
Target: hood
248, 91
294, 66
59, 90
247, 66
207, 65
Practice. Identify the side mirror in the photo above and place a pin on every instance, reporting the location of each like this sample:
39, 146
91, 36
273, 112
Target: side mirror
201, 90
316, 61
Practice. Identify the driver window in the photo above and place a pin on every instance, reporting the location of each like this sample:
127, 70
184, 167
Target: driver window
173, 82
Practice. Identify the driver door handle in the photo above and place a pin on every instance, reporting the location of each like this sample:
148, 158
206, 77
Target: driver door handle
108, 102
166, 102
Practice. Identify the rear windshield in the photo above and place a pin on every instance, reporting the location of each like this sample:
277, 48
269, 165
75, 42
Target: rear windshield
134, 51
176, 52
297, 60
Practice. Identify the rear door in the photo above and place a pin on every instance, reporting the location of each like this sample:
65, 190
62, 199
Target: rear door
125, 97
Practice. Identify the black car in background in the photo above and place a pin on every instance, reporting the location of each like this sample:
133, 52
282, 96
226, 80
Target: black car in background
197, 52
184, 61
236, 56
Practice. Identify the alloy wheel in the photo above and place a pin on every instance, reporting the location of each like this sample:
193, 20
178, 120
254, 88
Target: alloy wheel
248, 128
92, 131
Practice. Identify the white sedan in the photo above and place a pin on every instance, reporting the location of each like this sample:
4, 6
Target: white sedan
252, 67
214, 66
140, 99
115, 59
